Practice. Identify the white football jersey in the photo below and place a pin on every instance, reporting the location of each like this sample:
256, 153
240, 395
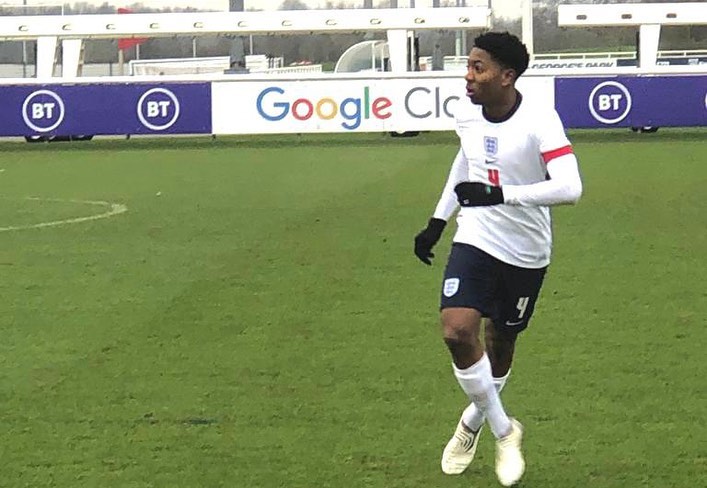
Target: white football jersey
513, 151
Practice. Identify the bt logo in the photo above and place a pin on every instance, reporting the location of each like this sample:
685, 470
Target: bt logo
43, 111
610, 102
158, 109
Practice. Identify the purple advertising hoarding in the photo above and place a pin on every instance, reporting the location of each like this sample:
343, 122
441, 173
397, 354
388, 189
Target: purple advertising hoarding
186, 108
632, 101
93, 109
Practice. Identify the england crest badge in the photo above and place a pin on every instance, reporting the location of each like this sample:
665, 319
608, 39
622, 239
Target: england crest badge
451, 286
491, 146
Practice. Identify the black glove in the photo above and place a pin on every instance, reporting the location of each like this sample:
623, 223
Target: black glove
476, 194
425, 240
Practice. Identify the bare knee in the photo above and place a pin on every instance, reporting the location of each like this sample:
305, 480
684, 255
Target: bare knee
461, 335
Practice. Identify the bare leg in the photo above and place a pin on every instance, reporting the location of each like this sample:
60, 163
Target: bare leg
472, 368
500, 347
461, 329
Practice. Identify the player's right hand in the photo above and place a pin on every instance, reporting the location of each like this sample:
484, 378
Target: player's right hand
477, 194
427, 238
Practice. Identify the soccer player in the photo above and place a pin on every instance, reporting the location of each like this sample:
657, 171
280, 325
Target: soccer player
514, 162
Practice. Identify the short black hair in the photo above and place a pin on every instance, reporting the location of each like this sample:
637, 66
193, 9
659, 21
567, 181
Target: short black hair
506, 49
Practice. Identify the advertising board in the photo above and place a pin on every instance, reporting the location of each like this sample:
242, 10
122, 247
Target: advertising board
348, 105
632, 101
107, 109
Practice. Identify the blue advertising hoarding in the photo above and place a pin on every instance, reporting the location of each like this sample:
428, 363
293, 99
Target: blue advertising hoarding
106, 109
632, 101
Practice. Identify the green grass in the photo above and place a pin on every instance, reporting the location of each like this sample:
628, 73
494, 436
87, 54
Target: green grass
262, 322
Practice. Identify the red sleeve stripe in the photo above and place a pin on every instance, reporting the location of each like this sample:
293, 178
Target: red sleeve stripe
556, 153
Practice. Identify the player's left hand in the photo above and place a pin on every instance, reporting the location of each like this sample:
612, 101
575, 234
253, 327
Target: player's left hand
427, 238
477, 194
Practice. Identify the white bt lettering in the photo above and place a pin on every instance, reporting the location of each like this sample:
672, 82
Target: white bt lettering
158, 109
610, 102
43, 110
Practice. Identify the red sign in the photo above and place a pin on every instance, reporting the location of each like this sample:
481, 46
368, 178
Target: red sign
132, 41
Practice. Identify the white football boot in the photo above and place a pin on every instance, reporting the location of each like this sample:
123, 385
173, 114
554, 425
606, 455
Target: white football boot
460, 450
510, 464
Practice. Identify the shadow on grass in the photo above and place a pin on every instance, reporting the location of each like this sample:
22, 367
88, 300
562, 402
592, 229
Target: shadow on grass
279, 141
273, 141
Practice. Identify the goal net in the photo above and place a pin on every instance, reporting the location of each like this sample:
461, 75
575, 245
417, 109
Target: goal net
179, 66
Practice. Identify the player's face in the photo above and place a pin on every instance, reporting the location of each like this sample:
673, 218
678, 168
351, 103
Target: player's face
486, 80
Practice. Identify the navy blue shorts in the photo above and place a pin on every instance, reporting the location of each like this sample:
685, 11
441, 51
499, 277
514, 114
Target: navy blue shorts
504, 293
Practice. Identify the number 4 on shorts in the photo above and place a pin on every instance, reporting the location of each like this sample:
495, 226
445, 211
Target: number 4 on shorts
522, 305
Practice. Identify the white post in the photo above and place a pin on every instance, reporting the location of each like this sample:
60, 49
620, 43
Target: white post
527, 26
649, 36
70, 57
121, 62
460, 38
46, 55
397, 49
24, 59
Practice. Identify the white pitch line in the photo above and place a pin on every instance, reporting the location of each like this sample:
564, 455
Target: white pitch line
113, 209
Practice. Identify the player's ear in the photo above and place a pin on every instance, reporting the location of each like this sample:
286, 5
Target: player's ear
508, 76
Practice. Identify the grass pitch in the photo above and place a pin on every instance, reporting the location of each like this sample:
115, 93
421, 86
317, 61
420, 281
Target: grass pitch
257, 319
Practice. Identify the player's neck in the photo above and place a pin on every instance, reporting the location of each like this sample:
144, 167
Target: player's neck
504, 108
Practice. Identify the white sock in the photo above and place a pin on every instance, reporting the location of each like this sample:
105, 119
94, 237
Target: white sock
472, 416
477, 383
